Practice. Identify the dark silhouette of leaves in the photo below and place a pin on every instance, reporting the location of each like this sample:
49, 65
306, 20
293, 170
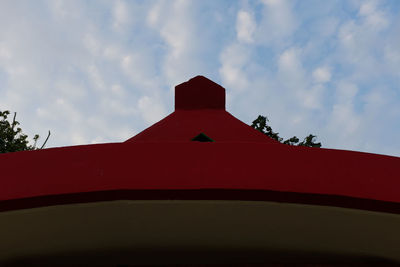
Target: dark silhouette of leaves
260, 124
11, 137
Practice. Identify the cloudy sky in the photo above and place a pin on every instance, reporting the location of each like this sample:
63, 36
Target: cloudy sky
102, 71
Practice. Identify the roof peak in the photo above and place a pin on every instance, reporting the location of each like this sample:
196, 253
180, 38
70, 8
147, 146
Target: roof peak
199, 93
200, 115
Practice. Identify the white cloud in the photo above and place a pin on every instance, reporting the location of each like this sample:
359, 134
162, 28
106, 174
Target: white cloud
5, 53
78, 138
245, 26
121, 15
140, 71
344, 123
68, 109
71, 89
374, 100
102, 72
153, 16
234, 59
174, 25
346, 92
289, 61
374, 18
344, 126
327, 26
291, 70
151, 109
347, 34
63, 65
101, 131
177, 28
65, 10
112, 52
118, 90
96, 78
278, 22
321, 75
367, 8
359, 36
92, 44
312, 98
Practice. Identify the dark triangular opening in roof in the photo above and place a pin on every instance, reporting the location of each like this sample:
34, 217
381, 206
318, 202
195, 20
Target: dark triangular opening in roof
201, 137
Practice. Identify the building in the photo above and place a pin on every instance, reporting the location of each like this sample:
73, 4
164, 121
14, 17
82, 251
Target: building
198, 187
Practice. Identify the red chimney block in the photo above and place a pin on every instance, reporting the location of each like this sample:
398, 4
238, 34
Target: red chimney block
199, 93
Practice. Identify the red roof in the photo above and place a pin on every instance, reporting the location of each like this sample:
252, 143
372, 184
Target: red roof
163, 162
239, 197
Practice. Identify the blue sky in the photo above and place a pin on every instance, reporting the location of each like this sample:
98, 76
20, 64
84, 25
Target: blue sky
102, 71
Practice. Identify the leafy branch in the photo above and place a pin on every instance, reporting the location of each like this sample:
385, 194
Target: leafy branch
260, 124
11, 137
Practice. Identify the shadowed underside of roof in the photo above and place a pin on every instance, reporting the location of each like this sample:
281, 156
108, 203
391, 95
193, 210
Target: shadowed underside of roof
130, 233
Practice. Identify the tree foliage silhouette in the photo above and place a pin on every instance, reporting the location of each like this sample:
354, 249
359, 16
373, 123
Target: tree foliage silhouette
260, 124
11, 137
